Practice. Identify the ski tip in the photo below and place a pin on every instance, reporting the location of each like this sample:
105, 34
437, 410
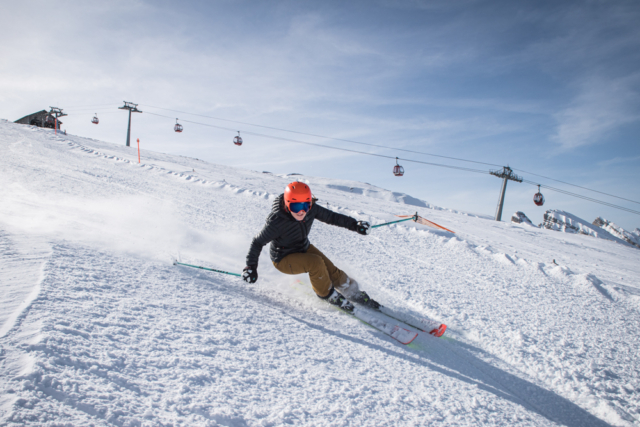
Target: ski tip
439, 331
411, 340
402, 335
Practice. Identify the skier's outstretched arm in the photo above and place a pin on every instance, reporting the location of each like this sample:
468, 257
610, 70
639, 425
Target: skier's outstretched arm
333, 218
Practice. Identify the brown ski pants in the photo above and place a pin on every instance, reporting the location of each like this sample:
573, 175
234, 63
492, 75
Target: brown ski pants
322, 272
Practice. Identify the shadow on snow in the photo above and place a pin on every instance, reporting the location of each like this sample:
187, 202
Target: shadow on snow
459, 361
467, 367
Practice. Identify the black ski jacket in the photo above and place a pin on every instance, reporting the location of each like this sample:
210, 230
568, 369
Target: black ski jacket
287, 235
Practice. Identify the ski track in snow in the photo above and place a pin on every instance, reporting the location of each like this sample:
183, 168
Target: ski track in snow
100, 329
23, 258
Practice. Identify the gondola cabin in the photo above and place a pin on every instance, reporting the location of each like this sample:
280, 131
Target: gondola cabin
95, 120
538, 198
397, 169
177, 127
237, 140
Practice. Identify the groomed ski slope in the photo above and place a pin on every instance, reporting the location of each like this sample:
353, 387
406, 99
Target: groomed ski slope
97, 327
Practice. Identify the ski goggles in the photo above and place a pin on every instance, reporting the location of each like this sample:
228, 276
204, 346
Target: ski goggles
299, 206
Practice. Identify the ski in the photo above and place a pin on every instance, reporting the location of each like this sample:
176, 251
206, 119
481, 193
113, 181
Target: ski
372, 317
432, 327
395, 331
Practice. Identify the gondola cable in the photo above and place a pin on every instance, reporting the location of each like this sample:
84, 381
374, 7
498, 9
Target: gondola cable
408, 160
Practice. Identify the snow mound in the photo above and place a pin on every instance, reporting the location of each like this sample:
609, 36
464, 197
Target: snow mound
360, 189
632, 238
520, 218
563, 221
379, 193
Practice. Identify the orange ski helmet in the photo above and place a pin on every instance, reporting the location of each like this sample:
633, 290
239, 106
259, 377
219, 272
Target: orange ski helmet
296, 192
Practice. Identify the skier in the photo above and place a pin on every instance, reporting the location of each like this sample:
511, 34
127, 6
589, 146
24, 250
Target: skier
287, 228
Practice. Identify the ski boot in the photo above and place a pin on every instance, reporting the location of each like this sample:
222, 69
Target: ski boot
361, 297
337, 299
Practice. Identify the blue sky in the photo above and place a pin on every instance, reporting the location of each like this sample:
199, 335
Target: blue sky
545, 87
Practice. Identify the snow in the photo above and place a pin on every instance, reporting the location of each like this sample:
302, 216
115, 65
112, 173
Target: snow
99, 328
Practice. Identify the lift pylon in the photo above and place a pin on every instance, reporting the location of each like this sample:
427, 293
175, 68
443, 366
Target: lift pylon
132, 108
56, 112
507, 175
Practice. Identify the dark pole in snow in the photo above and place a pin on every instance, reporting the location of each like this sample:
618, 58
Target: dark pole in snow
131, 107
507, 174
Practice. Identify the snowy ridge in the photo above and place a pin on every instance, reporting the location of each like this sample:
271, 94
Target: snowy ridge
367, 190
563, 221
378, 193
521, 218
191, 177
543, 326
632, 238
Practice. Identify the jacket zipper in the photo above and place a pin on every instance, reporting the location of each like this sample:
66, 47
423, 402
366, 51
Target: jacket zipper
304, 229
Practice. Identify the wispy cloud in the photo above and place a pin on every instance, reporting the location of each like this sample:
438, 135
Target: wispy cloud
496, 81
601, 107
619, 161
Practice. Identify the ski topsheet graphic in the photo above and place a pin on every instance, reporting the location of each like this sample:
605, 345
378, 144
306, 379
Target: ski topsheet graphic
432, 327
385, 324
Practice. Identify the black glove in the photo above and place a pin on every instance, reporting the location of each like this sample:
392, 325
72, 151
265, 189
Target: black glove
250, 274
363, 227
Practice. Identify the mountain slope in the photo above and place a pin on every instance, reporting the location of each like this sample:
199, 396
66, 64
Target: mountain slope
103, 329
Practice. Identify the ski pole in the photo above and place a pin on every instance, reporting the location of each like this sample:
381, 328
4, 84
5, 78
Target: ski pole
415, 218
208, 269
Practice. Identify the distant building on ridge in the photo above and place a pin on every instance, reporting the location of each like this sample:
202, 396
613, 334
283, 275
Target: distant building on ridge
43, 119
